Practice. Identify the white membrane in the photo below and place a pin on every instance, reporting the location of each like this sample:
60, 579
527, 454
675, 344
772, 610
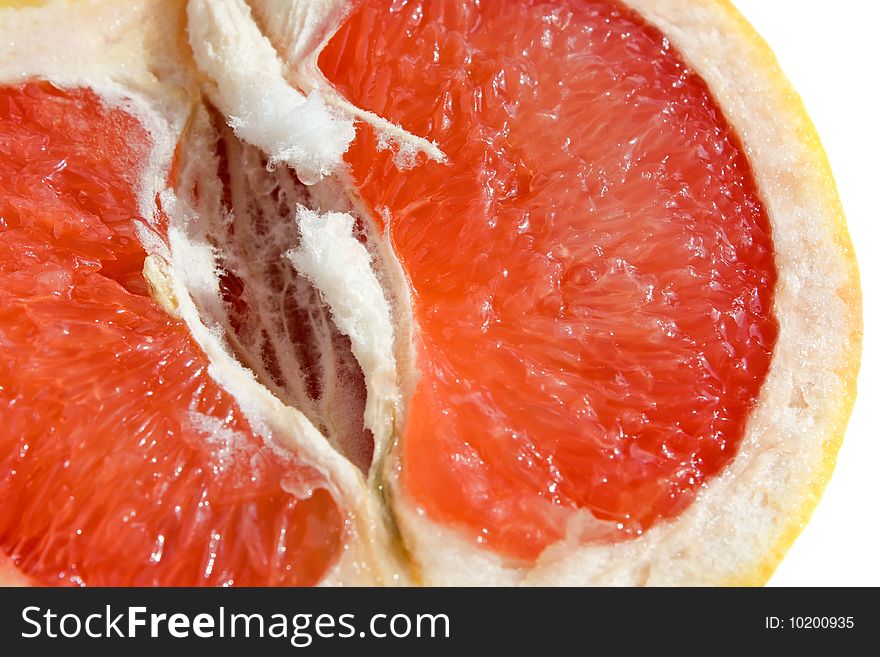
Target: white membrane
246, 82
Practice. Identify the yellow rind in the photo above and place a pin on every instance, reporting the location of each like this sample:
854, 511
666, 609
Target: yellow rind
791, 102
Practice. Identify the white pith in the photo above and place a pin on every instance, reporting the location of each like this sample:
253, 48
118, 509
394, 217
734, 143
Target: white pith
257, 63
289, 112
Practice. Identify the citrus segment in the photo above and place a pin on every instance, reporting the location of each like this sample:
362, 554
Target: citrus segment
592, 270
123, 462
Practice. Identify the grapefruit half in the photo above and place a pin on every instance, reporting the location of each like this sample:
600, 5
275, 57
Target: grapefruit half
412, 292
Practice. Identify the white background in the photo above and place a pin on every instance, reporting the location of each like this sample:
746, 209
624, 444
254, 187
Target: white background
829, 50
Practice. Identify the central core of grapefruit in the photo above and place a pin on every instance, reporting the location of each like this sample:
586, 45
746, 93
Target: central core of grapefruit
592, 270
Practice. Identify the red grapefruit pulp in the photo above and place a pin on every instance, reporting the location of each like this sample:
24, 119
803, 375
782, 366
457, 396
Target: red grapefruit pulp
122, 461
592, 270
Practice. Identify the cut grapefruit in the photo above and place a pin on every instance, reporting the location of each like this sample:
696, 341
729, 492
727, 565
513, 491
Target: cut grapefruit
412, 292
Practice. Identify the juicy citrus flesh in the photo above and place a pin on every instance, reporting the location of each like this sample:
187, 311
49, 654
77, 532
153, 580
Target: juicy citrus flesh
122, 462
592, 270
